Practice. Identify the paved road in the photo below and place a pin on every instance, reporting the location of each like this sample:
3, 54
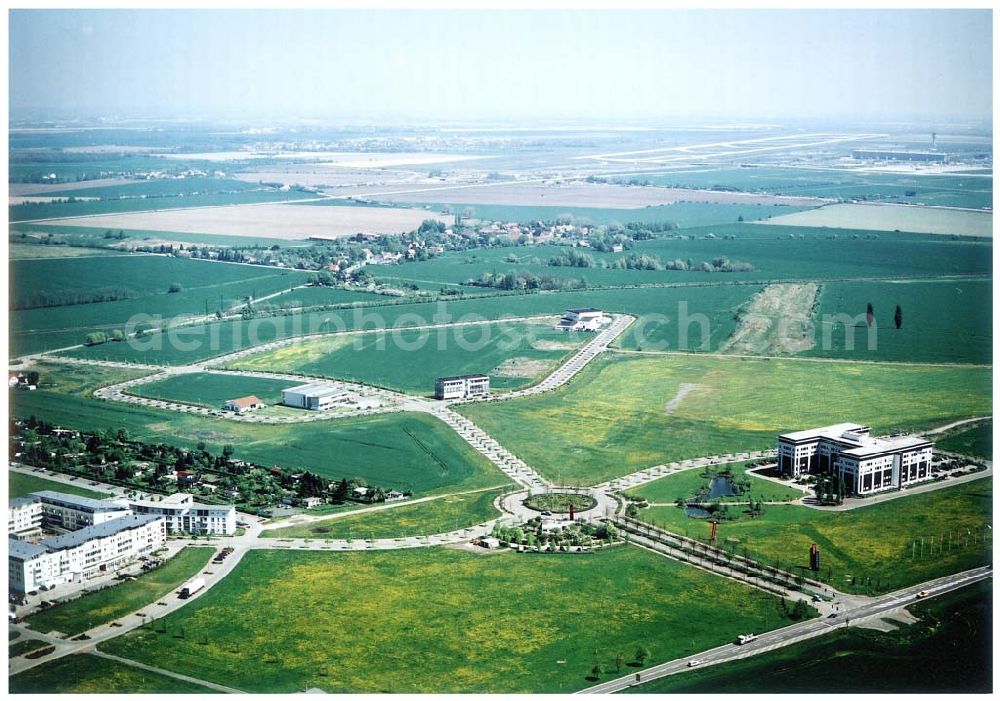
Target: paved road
782, 637
166, 672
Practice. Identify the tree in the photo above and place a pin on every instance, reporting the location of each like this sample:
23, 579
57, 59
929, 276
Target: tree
340, 493
870, 315
597, 671
641, 655
799, 610
175, 287
898, 317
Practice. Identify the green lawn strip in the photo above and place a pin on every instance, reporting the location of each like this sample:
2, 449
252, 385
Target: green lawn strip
22, 646
685, 485
875, 541
947, 651
21, 484
612, 419
211, 390
446, 620
106, 605
380, 449
975, 442
441, 515
89, 674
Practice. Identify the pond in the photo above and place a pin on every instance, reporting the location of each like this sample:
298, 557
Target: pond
721, 486
696, 512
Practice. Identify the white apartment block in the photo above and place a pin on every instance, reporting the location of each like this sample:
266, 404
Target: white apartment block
71, 512
82, 554
183, 514
864, 463
462, 386
24, 517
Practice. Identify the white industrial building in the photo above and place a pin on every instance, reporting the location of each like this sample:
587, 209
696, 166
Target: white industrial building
82, 554
865, 464
462, 386
24, 517
315, 396
183, 514
71, 512
582, 319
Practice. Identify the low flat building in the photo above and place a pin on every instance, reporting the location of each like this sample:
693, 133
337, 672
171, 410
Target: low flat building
243, 404
71, 512
315, 396
82, 554
865, 464
581, 319
462, 386
182, 514
24, 517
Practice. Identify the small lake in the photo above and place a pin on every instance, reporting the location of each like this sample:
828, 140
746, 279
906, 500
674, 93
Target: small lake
696, 512
720, 487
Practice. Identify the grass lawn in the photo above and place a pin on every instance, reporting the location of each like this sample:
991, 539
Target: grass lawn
403, 451
684, 485
875, 541
977, 441
947, 651
21, 485
211, 390
613, 418
24, 646
445, 620
89, 674
106, 605
79, 380
448, 513
513, 354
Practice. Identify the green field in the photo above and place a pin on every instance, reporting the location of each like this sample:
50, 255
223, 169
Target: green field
513, 354
27, 251
106, 605
395, 451
875, 541
947, 652
90, 236
317, 296
211, 390
612, 418
89, 674
79, 380
928, 220
946, 321
684, 485
162, 187
976, 441
441, 515
20, 484
443, 620
144, 280
22, 647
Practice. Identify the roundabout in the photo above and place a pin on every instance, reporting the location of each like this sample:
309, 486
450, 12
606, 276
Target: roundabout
561, 502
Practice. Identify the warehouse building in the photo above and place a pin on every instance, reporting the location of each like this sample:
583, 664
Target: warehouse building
24, 517
583, 319
462, 387
864, 463
82, 554
71, 512
182, 514
315, 396
889, 155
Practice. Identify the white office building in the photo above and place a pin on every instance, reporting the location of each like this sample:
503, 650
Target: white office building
864, 463
71, 512
182, 514
24, 517
462, 386
82, 554
315, 396
582, 319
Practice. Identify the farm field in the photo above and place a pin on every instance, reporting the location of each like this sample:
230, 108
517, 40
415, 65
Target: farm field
977, 441
315, 296
163, 187
27, 251
106, 605
514, 354
79, 380
928, 220
89, 236
941, 190
401, 451
442, 515
441, 636
280, 221
875, 541
659, 309
89, 674
212, 390
946, 321
613, 418
20, 484
686, 484
947, 651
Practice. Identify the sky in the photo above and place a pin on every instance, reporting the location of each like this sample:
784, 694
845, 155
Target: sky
495, 65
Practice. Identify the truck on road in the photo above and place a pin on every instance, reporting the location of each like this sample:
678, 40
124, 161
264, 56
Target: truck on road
745, 638
195, 585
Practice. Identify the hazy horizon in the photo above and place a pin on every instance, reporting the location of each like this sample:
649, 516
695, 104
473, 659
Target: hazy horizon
584, 66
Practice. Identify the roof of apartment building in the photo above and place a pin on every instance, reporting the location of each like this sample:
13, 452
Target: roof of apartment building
22, 501
101, 530
454, 378
23, 550
835, 432
876, 446
77, 502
